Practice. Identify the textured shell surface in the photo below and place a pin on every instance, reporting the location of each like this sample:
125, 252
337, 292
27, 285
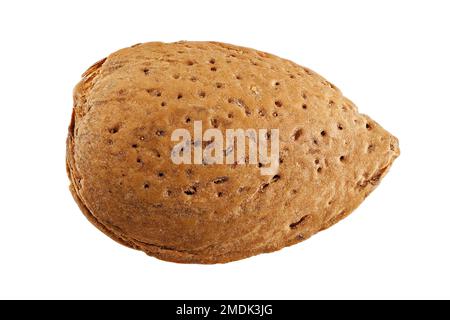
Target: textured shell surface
119, 151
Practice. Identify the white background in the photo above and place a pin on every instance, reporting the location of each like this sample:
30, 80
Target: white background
392, 58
